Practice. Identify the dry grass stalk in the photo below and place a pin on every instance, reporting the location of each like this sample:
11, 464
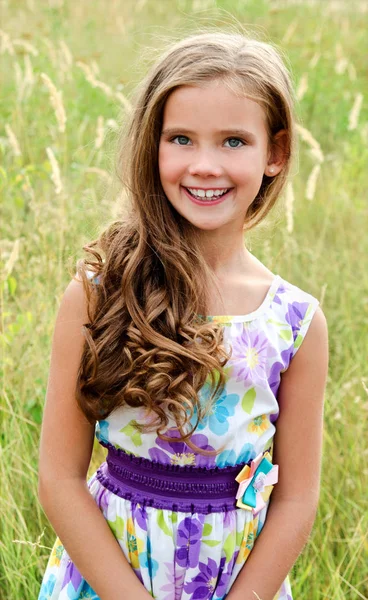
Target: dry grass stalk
100, 132
314, 60
309, 139
140, 5
124, 100
290, 31
355, 111
341, 65
14, 255
29, 77
199, 5
364, 133
289, 205
317, 36
55, 171
302, 87
323, 293
52, 51
18, 75
6, 43
95, 68
27, 46
66, 55
104, 174
56, 102
339, 53
352, 72
24, 82
90, 76
13, 140
312, 182
112, 124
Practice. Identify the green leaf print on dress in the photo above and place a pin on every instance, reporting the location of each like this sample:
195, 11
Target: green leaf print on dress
117, 527
133, 433
248, 400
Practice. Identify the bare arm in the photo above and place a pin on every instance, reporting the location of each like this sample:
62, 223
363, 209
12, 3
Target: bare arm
65, 453
297, 451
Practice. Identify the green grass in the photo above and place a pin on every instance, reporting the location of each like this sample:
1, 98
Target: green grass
324, 253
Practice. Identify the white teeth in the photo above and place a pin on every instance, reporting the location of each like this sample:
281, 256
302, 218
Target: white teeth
207, 193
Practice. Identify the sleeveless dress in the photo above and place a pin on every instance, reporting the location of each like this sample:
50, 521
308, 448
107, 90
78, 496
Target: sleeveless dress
183, 555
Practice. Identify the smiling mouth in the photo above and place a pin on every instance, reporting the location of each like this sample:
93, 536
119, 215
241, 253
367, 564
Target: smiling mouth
207, 195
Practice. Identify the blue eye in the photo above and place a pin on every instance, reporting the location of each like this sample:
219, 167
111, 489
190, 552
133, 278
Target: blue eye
182, 140
234, 143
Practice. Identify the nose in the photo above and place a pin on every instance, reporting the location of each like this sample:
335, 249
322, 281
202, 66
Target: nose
204, 164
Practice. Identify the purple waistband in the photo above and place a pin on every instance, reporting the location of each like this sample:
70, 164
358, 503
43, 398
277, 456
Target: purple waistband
173, 487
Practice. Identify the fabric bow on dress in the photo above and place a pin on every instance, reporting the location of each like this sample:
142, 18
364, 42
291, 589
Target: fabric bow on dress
256, 482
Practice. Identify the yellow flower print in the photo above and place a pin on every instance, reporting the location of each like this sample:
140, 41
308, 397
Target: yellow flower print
183, 458
135, 545
223, 319
259, 424
56, 553
247, 541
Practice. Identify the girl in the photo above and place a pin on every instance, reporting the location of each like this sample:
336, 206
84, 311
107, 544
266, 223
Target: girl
189, 353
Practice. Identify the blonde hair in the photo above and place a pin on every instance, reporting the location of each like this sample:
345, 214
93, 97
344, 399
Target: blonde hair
146, 344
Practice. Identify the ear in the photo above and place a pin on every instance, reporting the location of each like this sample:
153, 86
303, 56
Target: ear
278, 153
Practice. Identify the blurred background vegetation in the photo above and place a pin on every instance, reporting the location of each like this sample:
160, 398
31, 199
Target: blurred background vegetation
68, 73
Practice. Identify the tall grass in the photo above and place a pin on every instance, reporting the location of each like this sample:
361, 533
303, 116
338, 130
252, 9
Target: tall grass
70, 69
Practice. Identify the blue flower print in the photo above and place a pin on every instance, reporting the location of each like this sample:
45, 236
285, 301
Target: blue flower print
87, 593
147, 561
217, 419
47, 588
228, 458
102, 431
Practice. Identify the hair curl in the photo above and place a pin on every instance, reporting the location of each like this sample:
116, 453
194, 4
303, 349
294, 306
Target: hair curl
147, 344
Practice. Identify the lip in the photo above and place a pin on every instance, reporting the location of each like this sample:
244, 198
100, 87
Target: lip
212, 203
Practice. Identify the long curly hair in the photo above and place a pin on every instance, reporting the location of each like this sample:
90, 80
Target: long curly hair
148, 343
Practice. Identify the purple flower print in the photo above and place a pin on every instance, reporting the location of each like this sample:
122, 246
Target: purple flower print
188, 542
274, 378
280, 290
251, 350
295, 315
102, 499
72, 576
139, 516
225, 575
203, 585
179, 453
175, 582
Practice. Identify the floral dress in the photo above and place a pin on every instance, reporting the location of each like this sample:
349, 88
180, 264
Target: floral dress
184, 555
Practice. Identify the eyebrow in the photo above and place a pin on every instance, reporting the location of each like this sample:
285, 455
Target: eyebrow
226, 132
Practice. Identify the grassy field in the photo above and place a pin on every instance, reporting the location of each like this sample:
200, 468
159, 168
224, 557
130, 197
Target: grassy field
69, 69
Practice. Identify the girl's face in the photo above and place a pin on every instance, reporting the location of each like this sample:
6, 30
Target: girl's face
213, 143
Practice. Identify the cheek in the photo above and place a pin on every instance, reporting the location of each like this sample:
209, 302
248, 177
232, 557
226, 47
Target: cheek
170, 167
250, 169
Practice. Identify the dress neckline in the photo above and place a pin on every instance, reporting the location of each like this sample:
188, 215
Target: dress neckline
255, 313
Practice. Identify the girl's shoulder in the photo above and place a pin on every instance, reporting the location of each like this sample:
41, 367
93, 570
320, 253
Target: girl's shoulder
289, 293
293, 309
